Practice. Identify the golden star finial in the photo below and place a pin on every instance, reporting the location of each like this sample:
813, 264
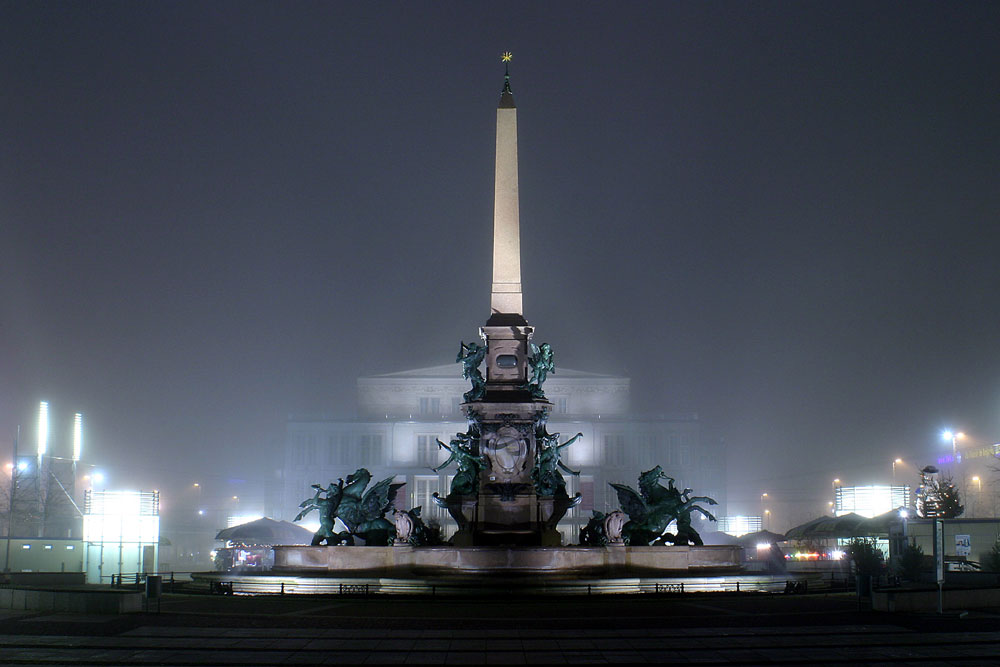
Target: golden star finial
505, 58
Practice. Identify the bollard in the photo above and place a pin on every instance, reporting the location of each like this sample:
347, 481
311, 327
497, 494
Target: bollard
282, 588
737, 587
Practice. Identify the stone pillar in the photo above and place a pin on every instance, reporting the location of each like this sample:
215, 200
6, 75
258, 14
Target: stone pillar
505, 296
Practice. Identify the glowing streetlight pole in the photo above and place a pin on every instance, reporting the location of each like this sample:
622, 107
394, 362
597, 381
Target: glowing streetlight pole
43, 428
894, 469
77, 436
954, 437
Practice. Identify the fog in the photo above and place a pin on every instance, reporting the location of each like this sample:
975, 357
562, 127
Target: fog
781, 216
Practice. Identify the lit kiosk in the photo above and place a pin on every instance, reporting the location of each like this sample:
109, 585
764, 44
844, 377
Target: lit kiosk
509, 505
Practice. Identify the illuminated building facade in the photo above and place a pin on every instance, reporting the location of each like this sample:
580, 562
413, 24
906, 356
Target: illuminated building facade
121, 533
737, 526
870, 501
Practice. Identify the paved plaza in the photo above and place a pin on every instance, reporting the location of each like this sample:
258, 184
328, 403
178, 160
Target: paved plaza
708, 629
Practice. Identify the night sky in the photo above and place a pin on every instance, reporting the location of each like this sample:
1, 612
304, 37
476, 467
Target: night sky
781, 216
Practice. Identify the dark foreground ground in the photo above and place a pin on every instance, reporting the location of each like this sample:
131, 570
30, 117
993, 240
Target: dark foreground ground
198, 629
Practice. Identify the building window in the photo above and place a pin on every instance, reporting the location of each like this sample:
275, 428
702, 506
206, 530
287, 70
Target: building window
614, 450
371, 449
587, 493
562, 405
346, 455
430, 406
427, 450
685, 456
331, 450
424, 488
300, 450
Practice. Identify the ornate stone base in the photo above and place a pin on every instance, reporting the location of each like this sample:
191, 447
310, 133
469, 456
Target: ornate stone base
548, 561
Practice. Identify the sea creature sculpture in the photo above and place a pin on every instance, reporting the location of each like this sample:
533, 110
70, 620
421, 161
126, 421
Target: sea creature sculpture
363, 513
654, 507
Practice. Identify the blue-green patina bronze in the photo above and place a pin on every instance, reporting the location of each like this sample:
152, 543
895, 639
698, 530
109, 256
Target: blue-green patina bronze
363, 513
548, 470
650, 511
462, 452
471, 356
541, 363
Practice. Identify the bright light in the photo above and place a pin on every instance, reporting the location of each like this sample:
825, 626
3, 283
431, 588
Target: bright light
975, 478
946, 435
22, 466
240, 519
734, 525
98, 478
236, 497
903, 514
870, 501
763, 546
898, 461
836, 554
196, 484
10, 466
201, 512
43, 428
77, 436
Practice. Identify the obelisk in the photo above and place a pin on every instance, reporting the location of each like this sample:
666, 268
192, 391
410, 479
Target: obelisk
506, 333
506, 293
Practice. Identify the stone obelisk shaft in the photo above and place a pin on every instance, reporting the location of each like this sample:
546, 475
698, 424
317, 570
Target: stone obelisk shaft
505, 296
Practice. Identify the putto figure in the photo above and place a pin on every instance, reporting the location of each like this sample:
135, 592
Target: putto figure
541, 364
547, 473
469, 463
471, 356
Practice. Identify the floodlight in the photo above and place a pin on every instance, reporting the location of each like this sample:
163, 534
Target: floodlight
22, 466
77, 436
761, 546
98, 477
946, 435
903, 514
43, 428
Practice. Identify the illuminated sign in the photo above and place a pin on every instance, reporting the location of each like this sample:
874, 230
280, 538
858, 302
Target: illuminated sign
739, 525
870, 501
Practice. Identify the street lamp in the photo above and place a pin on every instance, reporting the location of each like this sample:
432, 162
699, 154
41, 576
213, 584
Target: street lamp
894, 469
767, 519
954, 437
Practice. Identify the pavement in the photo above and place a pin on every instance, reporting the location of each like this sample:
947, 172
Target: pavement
200, 629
